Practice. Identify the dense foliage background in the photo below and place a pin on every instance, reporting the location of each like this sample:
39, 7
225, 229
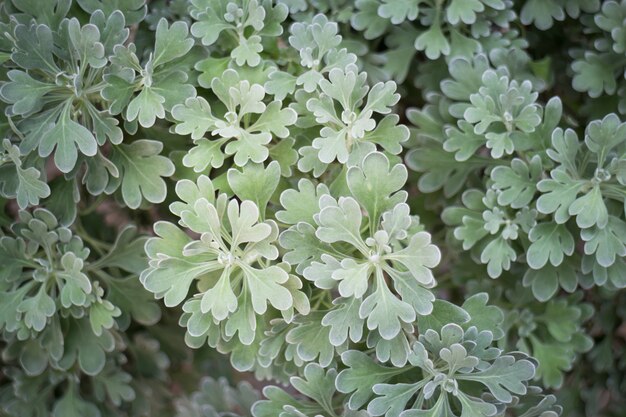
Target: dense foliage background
373, 207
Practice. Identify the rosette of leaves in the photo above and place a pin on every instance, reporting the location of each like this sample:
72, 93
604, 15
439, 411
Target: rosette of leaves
511, 218
552, 332
453, 148
448, 28
318, 46
143, 90
447, 371
352, 130
456, 368
56, 106
63, 311
599, 68
241, 26
54, 88
379, 265
233, 264
521, 199
489, 229
591, 190
496, 113
242, 122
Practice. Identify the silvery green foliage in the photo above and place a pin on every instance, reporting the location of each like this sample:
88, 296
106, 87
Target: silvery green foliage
264, 145
233, 256
436, 28
63, 309
599, 68
247, 22
217, 398
59, 108
160, 81
246, 127
529, 197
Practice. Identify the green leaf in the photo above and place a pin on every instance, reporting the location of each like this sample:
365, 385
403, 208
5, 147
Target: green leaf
545, 281
541, 13
463, 141
134, 301
504, 375
604, 135
399, 11
433, 42
196, 117
559, 192
344, 321
562, 320
255, 183
85, 41
206, 153
209, 28
146, 107
367, 19
384, 311
518, 183
166, 249
392, 399
117, 386
361, 375
590, 209
134, 10
36, 310
101, 316
301, 205
565, 146
483, 316
127, 251
275, 120
443, 313
64, 139
311, 339
608, 243
498, 255
550, 241
76, 285
247, 53
317, 384
264, 287
141, 168
34, 48
82, 345
340, 221
375, 185
171, 42
594, 74
419, 257
554, 359
24, 92
303, 247
464, 11
389, 134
